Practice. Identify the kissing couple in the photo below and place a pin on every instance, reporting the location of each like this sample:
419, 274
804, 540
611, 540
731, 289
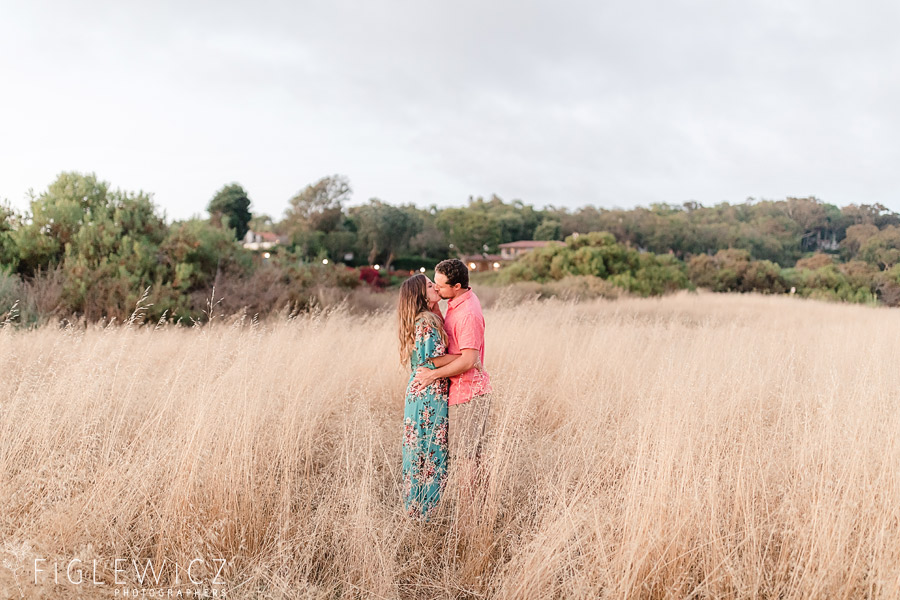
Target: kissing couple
448, 396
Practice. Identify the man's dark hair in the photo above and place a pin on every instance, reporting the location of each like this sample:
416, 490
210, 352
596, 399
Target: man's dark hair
455, 271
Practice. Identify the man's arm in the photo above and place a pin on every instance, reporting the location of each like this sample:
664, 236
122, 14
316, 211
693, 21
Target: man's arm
446, 359
465, 361
462, 363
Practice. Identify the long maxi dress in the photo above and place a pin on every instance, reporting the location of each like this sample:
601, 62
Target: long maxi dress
425, 420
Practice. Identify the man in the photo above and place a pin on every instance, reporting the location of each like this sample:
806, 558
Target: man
470, 385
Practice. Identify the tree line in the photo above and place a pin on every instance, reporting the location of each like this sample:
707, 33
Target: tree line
83, 248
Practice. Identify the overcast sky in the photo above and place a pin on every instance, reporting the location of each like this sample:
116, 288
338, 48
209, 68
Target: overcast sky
611, 103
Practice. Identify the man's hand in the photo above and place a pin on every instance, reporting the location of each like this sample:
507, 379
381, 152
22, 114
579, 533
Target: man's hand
467, 360
424, 377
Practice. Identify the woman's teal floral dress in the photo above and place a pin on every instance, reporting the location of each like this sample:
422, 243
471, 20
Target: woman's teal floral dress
425, 420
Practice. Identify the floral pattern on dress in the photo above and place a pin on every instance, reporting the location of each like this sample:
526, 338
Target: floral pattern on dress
440, 433
425, 424
410, 433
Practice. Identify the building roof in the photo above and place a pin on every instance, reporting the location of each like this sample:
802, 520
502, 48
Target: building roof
529, 244
268, 236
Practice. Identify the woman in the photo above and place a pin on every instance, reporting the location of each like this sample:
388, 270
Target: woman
425, 454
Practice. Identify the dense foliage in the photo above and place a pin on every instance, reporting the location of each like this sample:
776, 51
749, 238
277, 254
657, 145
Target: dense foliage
598, 254
88, 250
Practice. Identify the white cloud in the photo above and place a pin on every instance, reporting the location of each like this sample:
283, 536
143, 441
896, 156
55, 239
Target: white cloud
614, 103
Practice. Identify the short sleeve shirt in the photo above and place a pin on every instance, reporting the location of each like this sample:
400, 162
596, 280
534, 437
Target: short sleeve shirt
464, 324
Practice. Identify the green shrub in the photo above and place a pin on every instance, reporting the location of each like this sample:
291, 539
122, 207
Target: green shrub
598, 255
732, 271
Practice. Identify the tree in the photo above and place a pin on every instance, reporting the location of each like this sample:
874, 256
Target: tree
338, 244
114, 256
882, 248
261, 222
517, 221
733, 270
384, 229
583, 220
870, 214
549, 229
856, 237
104, 242
194, 251
231, 203
430, 242
9, 254
811, 218
56, 216
319, 206
469, 229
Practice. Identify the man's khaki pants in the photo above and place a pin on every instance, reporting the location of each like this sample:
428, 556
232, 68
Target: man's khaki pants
469, 427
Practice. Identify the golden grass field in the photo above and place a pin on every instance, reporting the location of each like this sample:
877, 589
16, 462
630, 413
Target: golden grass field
695, 446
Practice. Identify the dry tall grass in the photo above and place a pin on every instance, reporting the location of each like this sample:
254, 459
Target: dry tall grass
692, 446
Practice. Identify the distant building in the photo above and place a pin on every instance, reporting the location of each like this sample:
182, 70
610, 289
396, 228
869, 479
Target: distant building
483, 262
508, 252
513, 250
262, 240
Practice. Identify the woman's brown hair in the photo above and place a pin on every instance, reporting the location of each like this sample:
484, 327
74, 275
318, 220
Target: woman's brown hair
413, 304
